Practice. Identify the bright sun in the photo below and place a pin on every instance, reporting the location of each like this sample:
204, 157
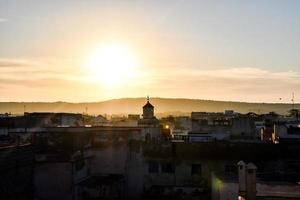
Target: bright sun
112, 64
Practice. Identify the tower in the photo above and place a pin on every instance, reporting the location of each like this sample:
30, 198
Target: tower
148, 110
149, 118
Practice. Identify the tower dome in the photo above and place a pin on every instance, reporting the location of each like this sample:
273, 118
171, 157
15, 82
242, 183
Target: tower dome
148, 110
149, 119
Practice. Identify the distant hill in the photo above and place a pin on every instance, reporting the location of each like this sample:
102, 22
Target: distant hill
163, 106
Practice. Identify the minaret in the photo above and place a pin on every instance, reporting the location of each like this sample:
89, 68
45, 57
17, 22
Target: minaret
148, 110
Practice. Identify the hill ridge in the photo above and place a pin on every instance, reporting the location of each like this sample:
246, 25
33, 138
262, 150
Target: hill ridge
134, 106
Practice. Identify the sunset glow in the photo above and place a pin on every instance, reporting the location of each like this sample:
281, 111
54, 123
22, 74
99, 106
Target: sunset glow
149, 99
174, 49
111, 64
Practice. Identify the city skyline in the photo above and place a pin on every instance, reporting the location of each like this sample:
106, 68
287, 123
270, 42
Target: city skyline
233, 51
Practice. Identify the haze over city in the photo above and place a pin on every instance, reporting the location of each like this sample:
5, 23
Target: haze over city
83, 51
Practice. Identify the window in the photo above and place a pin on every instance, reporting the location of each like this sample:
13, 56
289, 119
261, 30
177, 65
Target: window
196, 169
147, 137
168, 168
203, 122
153, 167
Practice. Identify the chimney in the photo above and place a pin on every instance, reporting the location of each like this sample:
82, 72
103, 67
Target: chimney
251, 182
247, 181
242, 178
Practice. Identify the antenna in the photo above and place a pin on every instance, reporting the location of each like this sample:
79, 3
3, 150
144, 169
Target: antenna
24, 108
148, 98
293, 100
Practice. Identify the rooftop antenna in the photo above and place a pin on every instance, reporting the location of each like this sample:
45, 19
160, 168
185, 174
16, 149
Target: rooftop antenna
293, 100
24, 107
147, 98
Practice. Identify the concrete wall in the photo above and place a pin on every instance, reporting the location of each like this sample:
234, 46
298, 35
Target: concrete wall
226, 190
16, 172
53, 181
139, 179
212, 128
154, 133
4, 131
108, 160
242, 127
278, 189
135, 170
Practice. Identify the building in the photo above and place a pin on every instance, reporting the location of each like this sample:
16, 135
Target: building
76, 162
286, 132
207, 137
47, 119
149, 123
97, 121
243, 127
203, 122
148, 118
17, 172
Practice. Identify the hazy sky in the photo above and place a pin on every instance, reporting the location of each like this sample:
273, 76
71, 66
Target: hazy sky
224, 50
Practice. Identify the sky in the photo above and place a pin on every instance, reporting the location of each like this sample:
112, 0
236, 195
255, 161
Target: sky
233, 50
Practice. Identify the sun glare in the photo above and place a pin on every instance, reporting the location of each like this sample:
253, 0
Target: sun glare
112, 64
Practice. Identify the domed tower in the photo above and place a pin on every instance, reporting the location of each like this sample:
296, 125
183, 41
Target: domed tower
148, 110
148, 116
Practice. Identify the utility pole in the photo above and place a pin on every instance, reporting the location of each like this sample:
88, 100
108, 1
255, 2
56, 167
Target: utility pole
293, 100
